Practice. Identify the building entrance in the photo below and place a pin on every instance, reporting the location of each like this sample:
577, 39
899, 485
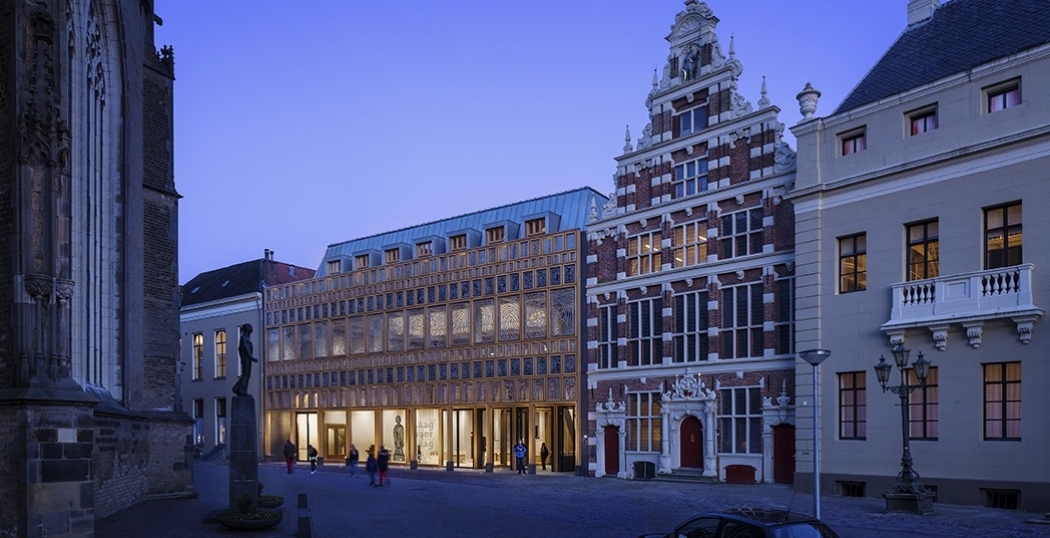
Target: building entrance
692, 443
565, 440
612, 450
306, 433
502, 438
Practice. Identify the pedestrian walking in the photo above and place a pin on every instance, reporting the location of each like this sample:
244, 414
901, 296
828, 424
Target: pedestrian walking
520, 451
371, 465
543, 455
311, 454
352, 460
289, 454
383, 461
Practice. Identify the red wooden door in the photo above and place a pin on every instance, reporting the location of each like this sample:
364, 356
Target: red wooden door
692, 443
612, 450
784, 453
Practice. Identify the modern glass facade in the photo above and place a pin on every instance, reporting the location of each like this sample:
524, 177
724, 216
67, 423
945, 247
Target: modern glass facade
445, 356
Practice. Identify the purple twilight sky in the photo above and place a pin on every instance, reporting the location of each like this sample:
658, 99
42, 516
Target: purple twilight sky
298, 125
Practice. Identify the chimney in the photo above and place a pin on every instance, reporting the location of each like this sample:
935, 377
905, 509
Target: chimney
921, 10
266, 254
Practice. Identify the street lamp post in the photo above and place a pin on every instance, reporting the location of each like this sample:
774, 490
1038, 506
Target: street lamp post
814, 357
908, 493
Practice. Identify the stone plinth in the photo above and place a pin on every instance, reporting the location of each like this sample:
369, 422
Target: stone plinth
244, 454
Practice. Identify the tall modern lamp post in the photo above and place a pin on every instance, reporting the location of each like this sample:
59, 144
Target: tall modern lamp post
908, 493
814, 357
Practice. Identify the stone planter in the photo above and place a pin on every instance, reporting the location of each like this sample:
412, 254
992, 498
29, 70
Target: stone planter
257, 520
270, 501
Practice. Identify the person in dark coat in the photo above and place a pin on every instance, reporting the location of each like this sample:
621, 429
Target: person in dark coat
352, 460
371, 465
544, 453
311, 454
289, 454
384, 463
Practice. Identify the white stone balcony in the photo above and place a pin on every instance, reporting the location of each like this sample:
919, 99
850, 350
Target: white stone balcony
967, 299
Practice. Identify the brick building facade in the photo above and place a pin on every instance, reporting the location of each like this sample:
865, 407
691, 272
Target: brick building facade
690, 280
87, 401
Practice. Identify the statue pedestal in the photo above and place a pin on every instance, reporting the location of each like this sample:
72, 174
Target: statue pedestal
244, 452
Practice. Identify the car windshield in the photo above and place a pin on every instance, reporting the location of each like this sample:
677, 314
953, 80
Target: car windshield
803, 529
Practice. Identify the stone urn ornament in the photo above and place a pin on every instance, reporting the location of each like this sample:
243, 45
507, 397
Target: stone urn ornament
807, 101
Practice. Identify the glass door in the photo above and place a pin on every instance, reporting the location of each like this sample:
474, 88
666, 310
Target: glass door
306, 433
566, 439
463, 438
502, 438
543, 437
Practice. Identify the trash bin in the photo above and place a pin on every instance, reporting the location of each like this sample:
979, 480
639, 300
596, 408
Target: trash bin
644, 470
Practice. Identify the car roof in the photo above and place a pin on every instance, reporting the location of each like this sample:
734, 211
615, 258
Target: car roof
766, 517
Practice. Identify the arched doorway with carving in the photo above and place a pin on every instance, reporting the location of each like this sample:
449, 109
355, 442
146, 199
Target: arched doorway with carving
611, 445
691, 443
611, 439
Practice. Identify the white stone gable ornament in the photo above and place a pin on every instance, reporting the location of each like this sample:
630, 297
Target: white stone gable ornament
689, 387
784, 158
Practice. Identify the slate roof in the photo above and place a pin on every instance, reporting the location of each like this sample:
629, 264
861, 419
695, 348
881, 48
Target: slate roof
961, 35
240, 279
572, 206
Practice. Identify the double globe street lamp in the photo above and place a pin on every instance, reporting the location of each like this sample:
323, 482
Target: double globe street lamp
908, 493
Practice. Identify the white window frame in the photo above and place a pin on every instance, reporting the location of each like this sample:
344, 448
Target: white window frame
732, 421
608, 331
689, 244
644, 430
645, 336
644, 253
731, 235
750, 326
690, 177
690, 116
690, 327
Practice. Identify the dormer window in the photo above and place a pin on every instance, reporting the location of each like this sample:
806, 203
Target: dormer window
424, 249
458, 242
361, 261
333, 267
535, 227
392, 255
495, 235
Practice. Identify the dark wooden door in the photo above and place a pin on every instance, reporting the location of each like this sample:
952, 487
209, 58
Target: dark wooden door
692, 443
784, 453
612, 450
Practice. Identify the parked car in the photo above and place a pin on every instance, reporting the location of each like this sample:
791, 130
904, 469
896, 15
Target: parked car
750, 523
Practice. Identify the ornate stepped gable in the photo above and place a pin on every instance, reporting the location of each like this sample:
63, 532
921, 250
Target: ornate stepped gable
741, 142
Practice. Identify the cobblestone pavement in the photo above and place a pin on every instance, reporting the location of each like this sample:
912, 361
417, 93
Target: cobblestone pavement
430, 502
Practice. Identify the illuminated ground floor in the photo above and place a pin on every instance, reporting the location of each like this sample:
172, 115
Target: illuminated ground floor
468, 437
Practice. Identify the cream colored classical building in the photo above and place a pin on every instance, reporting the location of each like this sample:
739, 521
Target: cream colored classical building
446, 341
922, 222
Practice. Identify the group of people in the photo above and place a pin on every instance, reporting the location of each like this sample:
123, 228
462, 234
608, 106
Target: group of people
290, 452
521, 453
376, 463
380, 463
